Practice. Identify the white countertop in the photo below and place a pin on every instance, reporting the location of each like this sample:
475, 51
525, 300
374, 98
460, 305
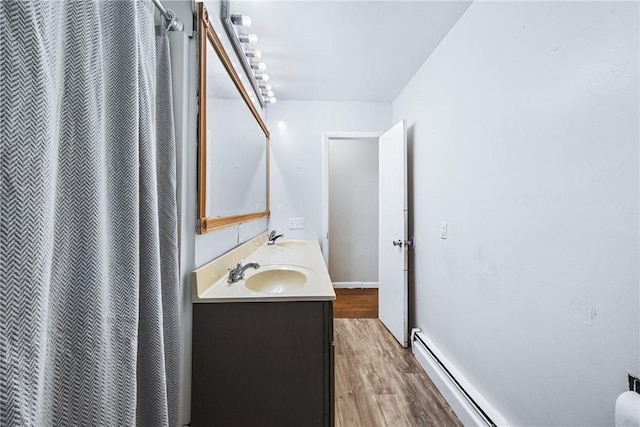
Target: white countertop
210, 281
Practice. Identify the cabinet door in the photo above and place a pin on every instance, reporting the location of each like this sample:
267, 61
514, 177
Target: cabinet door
260, 364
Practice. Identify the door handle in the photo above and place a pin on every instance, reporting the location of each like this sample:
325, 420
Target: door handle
400, 243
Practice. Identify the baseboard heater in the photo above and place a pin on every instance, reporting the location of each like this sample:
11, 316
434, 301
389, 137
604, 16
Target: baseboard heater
470, 407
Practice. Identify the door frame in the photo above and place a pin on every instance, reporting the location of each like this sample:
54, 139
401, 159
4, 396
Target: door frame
326, 138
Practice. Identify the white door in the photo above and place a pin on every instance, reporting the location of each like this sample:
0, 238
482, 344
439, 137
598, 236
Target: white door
393, 241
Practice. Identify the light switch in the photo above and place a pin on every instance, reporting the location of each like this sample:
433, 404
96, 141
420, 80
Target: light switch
443, 230
296, 223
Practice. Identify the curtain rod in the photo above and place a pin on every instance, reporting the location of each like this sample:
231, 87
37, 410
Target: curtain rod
174, 24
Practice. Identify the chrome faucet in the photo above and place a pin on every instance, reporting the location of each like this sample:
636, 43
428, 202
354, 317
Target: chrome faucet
237, 273
273, 236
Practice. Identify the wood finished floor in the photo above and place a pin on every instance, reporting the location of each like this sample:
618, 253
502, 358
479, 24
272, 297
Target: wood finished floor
379, 383
356, 303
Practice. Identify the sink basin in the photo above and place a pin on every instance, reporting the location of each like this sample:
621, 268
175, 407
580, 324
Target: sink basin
290, 244
274, 279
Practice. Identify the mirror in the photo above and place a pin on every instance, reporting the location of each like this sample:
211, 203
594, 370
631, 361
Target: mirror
233, 140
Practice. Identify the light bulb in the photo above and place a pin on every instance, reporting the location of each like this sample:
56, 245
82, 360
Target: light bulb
262, 76
260, 66
264, 86
271, 100
253, 53
248, 38
267, 93
241, 20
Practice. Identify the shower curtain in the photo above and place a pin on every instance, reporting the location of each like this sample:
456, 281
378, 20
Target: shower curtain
89, 313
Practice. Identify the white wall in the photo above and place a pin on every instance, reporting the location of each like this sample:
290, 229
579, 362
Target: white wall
523, 135
296, 154
353, 210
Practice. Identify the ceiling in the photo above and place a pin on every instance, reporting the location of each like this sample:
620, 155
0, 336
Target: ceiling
346, 50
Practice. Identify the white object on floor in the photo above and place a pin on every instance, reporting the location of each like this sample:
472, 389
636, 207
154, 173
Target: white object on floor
628, 409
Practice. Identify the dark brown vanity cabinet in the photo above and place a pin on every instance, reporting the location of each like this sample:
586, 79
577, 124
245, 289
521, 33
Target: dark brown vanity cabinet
263, 364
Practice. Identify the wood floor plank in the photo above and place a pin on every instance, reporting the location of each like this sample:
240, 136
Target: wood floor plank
379, 383
394, 410
356, 303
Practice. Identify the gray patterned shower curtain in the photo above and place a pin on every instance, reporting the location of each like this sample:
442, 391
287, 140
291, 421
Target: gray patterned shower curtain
89, 312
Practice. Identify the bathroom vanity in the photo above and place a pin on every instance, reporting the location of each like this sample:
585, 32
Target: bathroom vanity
263, 346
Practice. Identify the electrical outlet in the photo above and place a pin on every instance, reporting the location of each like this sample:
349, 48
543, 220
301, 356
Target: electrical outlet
296, 223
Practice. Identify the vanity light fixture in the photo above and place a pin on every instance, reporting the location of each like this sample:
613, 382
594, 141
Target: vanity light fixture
241, 20
243, 43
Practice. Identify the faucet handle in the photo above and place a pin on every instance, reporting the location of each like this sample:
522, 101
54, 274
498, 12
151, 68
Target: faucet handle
239, 265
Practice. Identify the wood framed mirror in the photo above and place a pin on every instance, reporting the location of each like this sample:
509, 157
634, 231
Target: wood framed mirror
233, 139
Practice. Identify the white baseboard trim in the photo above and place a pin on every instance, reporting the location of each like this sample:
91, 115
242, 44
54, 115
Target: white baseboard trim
355, 285
467, 403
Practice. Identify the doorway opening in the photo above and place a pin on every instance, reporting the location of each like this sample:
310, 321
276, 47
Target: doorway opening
350, 220
350, 208
364, 218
